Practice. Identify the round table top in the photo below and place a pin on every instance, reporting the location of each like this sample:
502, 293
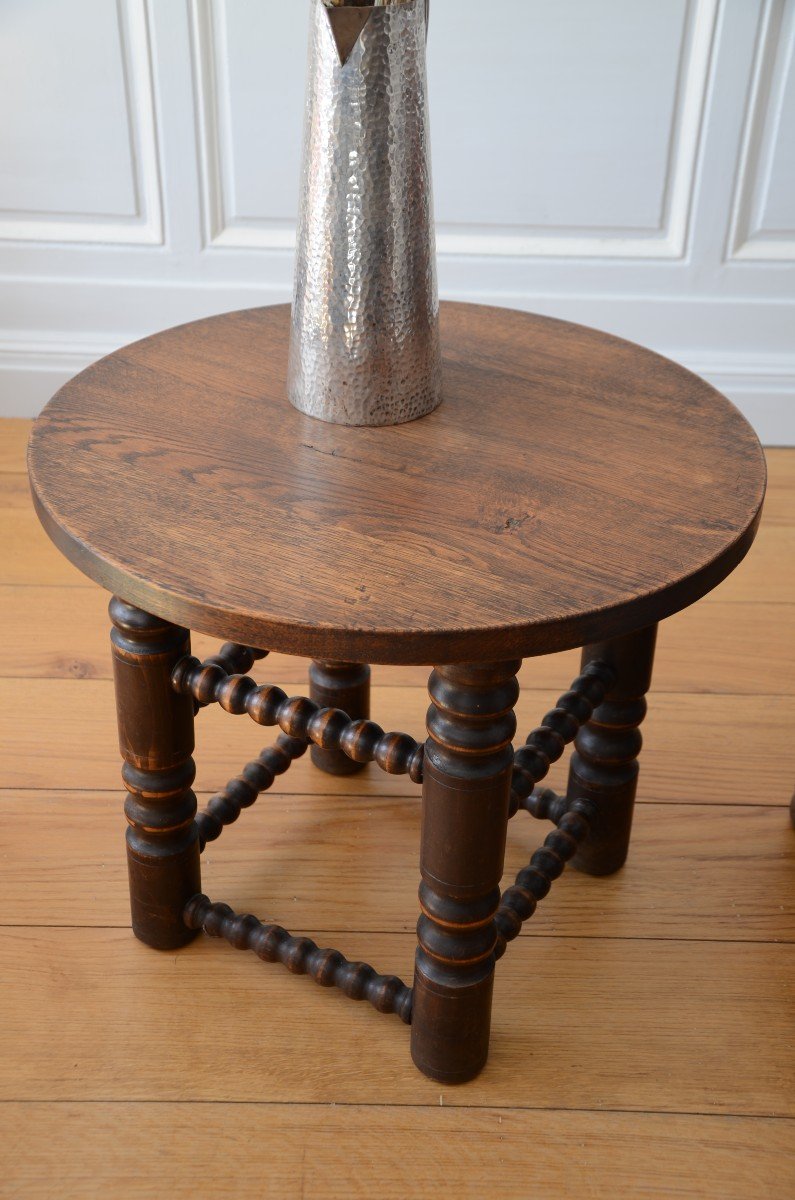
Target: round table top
570, 487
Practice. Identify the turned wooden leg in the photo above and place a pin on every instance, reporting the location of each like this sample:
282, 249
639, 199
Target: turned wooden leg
465, 801
345, 686
156, 742
604, 766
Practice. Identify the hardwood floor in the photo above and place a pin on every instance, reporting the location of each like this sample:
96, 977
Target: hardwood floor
643, 1029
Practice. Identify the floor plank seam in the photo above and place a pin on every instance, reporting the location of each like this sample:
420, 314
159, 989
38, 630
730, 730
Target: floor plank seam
575, 937
419, 1105
694, 1015
372, 798
660, 691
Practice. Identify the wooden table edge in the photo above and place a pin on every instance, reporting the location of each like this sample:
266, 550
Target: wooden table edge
397, 647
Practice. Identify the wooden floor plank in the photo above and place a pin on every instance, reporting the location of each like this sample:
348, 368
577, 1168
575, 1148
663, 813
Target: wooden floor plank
28, 554
780, 501
14, 434
87, 1151
642, 1037
30, 558
653, 1026
14, 493
749, 741
765, 574
343, 864
722, 647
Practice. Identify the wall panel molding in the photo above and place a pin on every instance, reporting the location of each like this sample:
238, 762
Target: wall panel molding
32, 368
145, 226
222, 229
774, 58
663, 215
702, 333
670, 239
210, 58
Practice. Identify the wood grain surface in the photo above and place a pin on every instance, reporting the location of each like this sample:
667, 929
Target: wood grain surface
678, 730
30, 560
316, 863
642, 1043
732, 1021
709, 647
355, 1152
571, 486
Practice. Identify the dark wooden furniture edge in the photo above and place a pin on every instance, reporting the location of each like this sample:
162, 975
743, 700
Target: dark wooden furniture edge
395, 647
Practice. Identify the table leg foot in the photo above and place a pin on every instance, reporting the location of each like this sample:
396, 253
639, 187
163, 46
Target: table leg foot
156, 743
465, 804
604, 765
345, 686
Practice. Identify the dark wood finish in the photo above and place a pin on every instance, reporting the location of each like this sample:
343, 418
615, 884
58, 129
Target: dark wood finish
465, 803
570, 487
345, 686
156, 742
519, 902
604, 765
560, 726
241, 792
299, 717
301, 955
236, 659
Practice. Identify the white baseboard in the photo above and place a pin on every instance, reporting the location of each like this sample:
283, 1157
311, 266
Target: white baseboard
32, 368
35, 363
762, 387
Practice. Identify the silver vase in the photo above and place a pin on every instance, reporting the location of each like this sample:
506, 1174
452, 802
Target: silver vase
364, 344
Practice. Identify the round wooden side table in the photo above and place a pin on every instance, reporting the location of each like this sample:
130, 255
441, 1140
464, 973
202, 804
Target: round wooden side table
572, 490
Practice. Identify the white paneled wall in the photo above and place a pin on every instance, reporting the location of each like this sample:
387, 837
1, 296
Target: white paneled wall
626, 163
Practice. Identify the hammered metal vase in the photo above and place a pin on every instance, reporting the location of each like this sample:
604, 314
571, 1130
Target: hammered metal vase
364, 343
